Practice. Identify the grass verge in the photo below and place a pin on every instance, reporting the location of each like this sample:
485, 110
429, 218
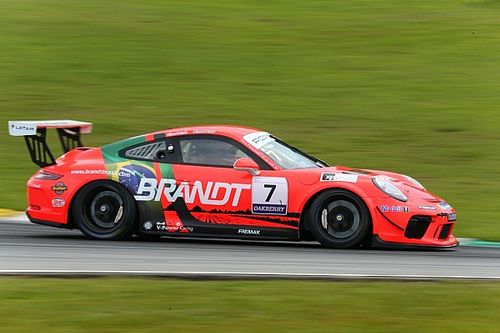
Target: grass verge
151, 305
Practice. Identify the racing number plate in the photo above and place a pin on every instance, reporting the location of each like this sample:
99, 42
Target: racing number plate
269, 195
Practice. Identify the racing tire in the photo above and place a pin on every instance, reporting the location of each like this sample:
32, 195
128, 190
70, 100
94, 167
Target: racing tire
105, 210
339, 219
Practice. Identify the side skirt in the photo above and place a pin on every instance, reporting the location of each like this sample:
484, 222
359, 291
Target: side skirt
231, 232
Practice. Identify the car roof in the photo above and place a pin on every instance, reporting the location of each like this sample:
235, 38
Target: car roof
236, 132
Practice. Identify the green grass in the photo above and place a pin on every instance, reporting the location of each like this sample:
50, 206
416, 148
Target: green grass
149, 305
407, 86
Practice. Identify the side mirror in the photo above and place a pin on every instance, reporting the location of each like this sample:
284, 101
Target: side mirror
246, 164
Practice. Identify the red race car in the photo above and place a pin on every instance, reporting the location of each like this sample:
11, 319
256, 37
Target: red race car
223, 181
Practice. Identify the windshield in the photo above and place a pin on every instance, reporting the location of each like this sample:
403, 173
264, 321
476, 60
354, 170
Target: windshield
286, 156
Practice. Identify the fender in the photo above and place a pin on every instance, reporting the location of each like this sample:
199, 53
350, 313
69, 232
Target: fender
368, 200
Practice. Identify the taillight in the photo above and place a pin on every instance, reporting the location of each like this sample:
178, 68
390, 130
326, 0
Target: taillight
45, 175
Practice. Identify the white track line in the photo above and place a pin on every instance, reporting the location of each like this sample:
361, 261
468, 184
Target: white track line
241, 275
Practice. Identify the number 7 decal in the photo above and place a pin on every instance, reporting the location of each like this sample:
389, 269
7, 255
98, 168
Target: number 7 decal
269, 195
273, 188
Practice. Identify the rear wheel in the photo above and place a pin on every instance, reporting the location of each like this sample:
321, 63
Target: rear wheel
339, 219
105, 210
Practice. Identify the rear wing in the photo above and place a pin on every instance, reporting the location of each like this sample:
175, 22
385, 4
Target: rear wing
35, 135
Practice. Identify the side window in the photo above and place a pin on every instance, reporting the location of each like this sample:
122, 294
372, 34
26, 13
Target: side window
211, 152
153, 151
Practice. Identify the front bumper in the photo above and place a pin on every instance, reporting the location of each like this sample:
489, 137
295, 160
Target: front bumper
377, 242
415, 228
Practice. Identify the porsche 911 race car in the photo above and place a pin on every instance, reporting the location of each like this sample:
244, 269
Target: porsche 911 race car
223, 181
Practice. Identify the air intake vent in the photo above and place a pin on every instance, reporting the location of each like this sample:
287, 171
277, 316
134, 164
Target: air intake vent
417, 226
445, 231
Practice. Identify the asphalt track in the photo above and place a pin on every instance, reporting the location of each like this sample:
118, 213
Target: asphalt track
30, 249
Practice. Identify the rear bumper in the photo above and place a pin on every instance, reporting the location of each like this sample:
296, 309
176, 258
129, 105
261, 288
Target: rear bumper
46, 223
44, 204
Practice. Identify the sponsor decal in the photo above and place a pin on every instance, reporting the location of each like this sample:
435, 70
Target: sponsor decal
444, 205
426, 207
394, 209
204, 131
269, 195
21, 129
259, 139
148, 225
338, 177
254, 232
176, 133
178, 227
58, 202
59, 188
118, 173
452, 217
269, 209
213, 193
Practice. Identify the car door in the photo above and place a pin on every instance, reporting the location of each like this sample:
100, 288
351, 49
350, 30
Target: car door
212, 198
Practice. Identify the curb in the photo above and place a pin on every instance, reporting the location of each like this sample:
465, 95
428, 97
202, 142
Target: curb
477, 242
9, 213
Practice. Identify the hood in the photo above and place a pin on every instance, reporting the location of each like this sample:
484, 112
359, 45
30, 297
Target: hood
411, 190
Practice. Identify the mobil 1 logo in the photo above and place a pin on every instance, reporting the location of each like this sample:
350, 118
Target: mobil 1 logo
269, 195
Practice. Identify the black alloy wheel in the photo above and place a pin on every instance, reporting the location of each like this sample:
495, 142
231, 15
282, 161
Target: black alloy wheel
339, 219
105, 210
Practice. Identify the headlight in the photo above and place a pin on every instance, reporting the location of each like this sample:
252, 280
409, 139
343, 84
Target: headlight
444, 205
415, 182
386, 186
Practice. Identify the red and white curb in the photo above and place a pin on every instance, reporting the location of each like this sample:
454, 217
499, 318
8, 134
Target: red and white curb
13, 216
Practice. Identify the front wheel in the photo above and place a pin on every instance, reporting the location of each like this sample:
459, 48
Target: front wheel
339, 219
105, 210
